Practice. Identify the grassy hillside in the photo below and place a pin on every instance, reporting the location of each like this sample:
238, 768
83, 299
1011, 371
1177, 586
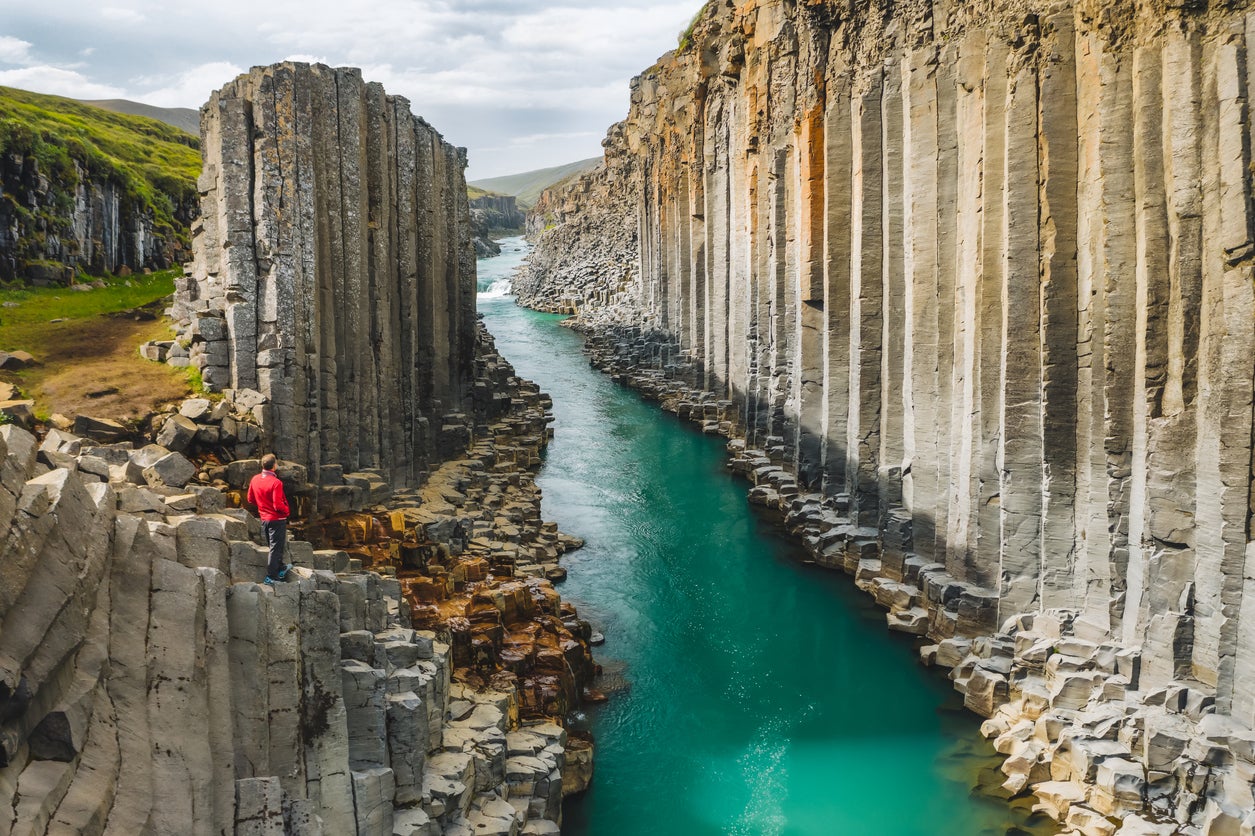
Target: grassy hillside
528, 185
156, 164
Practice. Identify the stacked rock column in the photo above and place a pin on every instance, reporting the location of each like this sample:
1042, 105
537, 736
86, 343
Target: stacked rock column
334, 272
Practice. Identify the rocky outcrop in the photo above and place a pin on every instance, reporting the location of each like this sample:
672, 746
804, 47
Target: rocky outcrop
585, 261
494, 214
54, 223
497, 212
972, 283
334, 273
149, 684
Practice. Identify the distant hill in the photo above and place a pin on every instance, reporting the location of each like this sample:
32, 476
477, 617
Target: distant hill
183, 118
528, 185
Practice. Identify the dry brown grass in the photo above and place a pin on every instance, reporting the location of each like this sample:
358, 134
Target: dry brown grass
92, 367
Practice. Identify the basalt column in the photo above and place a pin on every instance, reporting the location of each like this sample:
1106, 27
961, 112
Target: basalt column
977, 292
334, 272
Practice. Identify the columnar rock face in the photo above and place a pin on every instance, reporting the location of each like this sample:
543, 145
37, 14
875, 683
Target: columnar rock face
493, 213
149, 684
95, 224
334, 272
497, 212
979, 276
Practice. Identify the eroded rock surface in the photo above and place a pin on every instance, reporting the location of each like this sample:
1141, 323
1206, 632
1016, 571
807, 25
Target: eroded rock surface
971, 285
150, 684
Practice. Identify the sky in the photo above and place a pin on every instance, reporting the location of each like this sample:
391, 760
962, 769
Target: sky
522, 84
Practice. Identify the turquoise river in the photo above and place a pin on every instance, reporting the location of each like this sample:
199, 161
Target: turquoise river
750, 694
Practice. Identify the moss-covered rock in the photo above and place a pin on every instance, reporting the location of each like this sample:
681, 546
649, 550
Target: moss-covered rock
89, 189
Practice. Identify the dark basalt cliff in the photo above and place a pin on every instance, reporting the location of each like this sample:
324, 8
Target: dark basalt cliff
334, 272
973, 283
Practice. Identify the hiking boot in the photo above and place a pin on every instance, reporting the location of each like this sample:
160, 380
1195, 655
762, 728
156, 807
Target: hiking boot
269, 581
283, 573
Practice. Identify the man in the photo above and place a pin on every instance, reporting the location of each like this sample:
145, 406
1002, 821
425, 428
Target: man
266, 492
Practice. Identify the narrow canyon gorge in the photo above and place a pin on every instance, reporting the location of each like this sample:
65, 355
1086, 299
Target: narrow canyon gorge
961, 294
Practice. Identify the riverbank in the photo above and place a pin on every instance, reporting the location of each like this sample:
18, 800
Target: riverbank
1080, 743
412, 676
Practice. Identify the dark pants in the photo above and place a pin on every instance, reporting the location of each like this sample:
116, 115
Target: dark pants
275, 532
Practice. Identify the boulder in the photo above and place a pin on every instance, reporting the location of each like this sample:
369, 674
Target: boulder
14, 360
105, 430
177, 433
20, 412
245, 400
196, 408
62, 442
171, 470
148, 455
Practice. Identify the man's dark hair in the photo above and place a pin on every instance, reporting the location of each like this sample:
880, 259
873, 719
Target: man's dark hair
268, 461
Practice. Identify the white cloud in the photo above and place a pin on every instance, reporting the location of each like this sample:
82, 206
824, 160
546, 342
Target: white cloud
306, 59
115, 14
58, 82
533, 139
14, 50
522, 83
190, 88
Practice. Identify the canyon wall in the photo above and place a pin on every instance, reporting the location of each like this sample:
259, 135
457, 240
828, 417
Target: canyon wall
973, 281
54, 223
493, 213
334, 273
149, 684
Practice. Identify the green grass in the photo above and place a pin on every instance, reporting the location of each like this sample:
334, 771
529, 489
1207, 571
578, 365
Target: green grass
196, 382
685, 38
87, 362
155, 164
20, 326
528, 185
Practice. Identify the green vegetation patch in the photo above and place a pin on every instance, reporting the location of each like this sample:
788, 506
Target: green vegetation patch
85, 345
685, 38
154, 164
527, 186
25, 313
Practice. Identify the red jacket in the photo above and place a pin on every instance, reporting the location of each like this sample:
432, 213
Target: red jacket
266, 492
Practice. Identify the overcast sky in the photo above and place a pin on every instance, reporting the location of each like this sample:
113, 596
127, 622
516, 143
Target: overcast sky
523, 84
